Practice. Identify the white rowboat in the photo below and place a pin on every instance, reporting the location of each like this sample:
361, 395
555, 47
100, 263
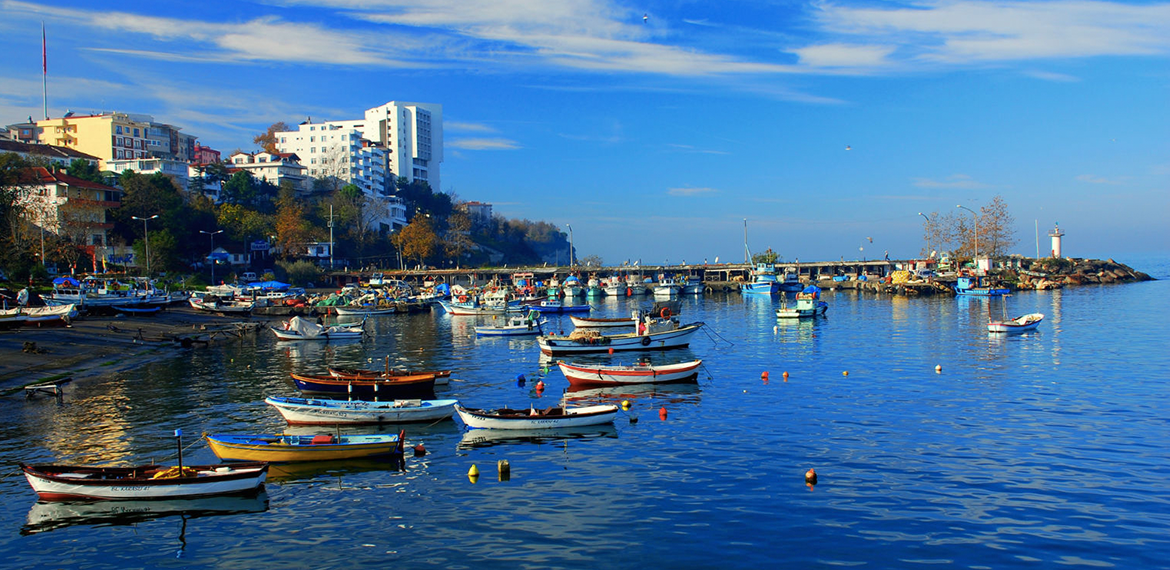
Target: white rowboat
553, 417
306, 411
67, 483
1025, 323
594, 375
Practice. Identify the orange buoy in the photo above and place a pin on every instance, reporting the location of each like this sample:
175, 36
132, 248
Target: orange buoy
419, 450
810, 476
764, 376
785, 375
662, 412
845, 373
611, 350
540, 385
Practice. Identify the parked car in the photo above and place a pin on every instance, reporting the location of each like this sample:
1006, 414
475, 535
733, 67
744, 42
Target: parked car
248, 276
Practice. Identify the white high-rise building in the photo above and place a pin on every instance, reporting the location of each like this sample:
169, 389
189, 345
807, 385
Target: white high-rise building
410, 135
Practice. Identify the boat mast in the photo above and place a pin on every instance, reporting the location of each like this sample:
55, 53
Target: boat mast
746, 252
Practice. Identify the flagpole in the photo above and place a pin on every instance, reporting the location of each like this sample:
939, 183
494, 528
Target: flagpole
45, 70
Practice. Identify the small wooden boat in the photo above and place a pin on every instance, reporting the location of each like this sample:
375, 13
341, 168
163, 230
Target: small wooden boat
657, 335
420, 386
554, 306
595, 375
591, 323
287, 448
303, 411
808, 304
213, 304
297, 328
361, 310
1024, 323
69, 482
552, 417
515, 325
442, 377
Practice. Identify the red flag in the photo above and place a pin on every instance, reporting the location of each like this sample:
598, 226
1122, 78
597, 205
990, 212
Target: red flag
44, 51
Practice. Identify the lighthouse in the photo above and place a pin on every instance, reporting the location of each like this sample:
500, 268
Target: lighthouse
1055, 234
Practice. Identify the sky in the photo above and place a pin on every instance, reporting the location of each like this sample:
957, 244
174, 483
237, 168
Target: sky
656, 128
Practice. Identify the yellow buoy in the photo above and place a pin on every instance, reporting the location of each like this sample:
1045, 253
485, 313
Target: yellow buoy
473, 472
845, 373
626, 405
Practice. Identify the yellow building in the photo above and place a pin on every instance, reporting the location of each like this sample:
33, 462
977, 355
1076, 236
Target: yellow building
108, 136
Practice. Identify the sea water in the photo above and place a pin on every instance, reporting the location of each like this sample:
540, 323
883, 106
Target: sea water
1041, 450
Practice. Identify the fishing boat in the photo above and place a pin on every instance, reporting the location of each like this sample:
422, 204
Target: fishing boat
556, 306
309, 411
48, 315
596, 375
470, 307
591, 323
789, 282
297, 328
764, 280
666, 287
215, 304
693, 286
653, 333
808, 304
79, 483
1020, 324
442, 377
401, 387
572, 287
532, 418
285, 448
514, 325
979, 286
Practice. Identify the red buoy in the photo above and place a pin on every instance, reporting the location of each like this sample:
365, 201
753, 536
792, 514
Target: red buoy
764, 376
810, 476
540, 385
611, 350
662, 412
419, 450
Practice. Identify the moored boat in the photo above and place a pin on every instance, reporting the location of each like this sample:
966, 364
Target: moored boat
591, 323
515, 325
556, 306
597, 375
1019, 324
652, 333
808, 304
979, 286
309, 411
297, 328
420, 386
70, 482
286, 448
532, 418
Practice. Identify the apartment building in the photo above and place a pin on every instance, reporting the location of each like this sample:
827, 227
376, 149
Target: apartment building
272, 168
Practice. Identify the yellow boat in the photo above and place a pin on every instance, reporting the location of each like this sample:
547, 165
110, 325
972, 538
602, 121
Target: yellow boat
286, 448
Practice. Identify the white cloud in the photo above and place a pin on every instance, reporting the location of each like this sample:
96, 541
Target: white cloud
467, 127
483, 144
959, 181
688, 191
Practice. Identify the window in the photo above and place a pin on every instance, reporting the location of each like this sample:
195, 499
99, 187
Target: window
282, 139
312, 139
118, 129
136, 132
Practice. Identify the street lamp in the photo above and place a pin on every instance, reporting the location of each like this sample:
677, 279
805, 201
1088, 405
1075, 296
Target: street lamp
976, 216
146, 237
209, 256
927, 228
571, 264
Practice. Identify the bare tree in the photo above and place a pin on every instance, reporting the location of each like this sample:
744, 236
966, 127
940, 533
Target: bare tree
997, 232
333, 168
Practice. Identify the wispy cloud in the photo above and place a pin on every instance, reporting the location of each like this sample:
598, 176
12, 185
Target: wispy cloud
1094, 179
467, 127
691, 149
958, 181
483, 144
688, 191
1051, 76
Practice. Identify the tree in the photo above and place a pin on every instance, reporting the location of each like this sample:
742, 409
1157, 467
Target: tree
417, 240
591, 260
163, 248
267, 139
334, 169
85, 170
767, 256
458, 238
996, 229
292, 229
241, 189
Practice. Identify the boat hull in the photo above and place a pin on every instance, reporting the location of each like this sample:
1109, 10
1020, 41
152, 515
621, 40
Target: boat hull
589, 375
572, 417
69, 483
327, 335
677, 338
299, 448
588, 323
1017, 325
362, 311
302, 411
405, 387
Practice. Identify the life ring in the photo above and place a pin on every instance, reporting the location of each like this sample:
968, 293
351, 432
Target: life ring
665, 312
646, 341
463, 298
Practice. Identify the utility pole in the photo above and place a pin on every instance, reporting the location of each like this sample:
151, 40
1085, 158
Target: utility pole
146, 240
209, 256
330, 236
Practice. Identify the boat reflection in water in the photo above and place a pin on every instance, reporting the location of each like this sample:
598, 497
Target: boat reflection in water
477, 438
674, 393
315, 470
46, 516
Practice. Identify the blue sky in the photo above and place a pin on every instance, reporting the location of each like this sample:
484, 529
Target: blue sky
655, 128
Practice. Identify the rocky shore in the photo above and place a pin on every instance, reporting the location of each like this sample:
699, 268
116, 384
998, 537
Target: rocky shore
1017, 275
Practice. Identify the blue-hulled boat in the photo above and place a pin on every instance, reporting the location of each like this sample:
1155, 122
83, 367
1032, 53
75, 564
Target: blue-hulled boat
979, 286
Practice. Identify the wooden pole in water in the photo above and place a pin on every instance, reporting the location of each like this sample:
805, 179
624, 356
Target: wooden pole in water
179, 443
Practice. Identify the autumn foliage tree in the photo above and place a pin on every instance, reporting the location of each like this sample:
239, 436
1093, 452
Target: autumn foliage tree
267, 139
416, 241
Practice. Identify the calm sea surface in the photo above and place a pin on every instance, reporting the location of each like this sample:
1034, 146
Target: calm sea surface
1044, 450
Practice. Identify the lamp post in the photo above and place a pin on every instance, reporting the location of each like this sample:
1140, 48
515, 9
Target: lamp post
571, 264
146, 238
927, 228
976, 216
209, 256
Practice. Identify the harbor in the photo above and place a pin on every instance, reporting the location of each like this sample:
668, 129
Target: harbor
906, 408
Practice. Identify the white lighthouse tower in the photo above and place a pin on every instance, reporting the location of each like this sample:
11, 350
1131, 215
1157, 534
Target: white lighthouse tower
1056, 234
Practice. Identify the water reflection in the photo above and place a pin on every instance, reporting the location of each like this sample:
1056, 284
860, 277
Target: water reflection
674, 393
315, 470
479, 438
44, 516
